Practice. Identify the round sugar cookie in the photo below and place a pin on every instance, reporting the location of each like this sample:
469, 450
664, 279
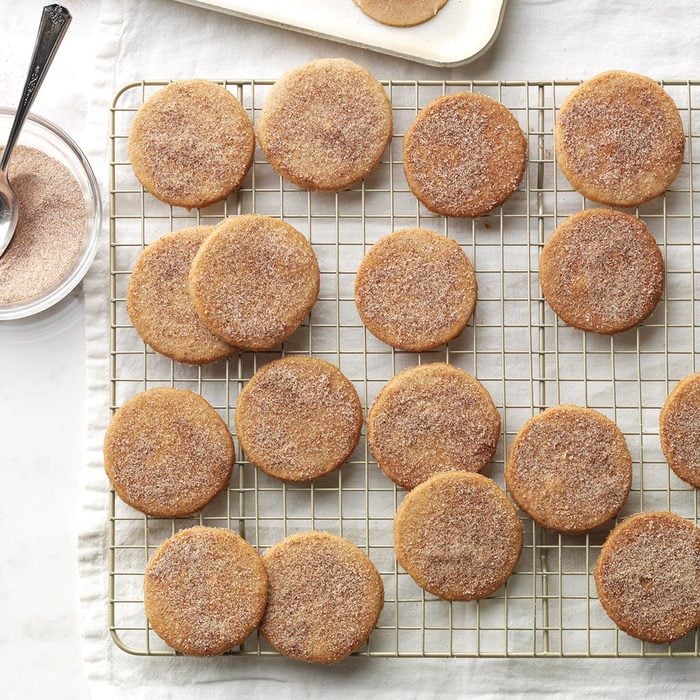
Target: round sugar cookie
464, 155
458, 536
168, 453
569, 469
648, 576
415, 289
253, 281
298, 418
602, 271
429, 419
191, 143
159, 304
619, 139
325, 597
679, 429
205, 590
326, 124
401, 13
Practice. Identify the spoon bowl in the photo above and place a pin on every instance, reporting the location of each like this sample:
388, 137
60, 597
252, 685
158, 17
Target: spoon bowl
9, 212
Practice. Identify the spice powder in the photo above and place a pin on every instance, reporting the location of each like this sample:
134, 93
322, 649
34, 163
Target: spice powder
50, 231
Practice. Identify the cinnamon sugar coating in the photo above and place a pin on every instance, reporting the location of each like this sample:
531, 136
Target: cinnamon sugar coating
191, 143
415, 289
401, 13
602, 271
253, 281
51, 226
326, 124
325, 597
679, 429
648, 576
619, 139
458, 536
205, 590
569, 469
298, 418
429, 419
168, 453
464, 155
159, 303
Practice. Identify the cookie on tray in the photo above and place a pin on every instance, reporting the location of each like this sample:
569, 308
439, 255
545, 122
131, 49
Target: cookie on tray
325, 597
679, 429
326, 124
569, 469
298, 418
464, 155
429, 419
458, 536
253, 281
191, 143
415, 289
602, 271
648, 576
401, 13
159, 304
619, 139
168, 453
205, 591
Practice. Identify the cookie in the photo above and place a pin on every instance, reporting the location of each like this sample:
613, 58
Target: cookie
415, 290
679, 429
602, 271
464, 155
429, 419
325, 596
298, 418
205, 591
191, 143
648, 576
619, 139
401, 13
159, 304
167, 453
569, 469
458, 536
253, 281
326, 124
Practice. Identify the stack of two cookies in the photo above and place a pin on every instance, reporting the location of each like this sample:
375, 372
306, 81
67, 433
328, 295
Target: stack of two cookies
198, 294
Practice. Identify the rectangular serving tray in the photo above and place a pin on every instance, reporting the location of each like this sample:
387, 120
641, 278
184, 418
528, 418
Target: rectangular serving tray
461, 32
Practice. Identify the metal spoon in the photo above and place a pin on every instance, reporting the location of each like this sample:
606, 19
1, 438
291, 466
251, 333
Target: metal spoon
52, 28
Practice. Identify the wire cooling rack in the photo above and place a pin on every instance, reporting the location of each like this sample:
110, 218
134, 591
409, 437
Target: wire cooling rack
526, 358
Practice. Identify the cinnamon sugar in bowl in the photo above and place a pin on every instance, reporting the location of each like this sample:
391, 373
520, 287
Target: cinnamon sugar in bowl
59, 218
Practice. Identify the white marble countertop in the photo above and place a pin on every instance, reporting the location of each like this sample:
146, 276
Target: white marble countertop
42, 385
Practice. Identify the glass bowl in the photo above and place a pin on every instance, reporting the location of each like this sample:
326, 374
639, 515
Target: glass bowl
42, 134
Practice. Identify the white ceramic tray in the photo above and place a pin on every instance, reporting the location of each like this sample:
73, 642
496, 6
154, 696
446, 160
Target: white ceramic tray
461, 32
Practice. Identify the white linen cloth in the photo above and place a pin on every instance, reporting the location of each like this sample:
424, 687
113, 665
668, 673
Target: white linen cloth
155, 39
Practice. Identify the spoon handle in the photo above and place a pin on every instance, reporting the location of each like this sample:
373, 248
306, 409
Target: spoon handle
52, 28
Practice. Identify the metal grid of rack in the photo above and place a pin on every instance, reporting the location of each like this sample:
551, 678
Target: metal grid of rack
514, 344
